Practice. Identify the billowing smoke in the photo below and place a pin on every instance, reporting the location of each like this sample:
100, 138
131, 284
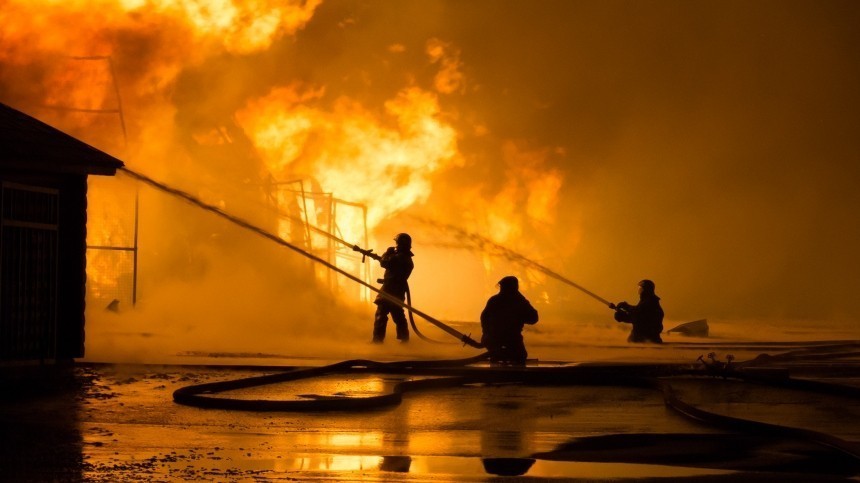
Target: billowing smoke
711, 148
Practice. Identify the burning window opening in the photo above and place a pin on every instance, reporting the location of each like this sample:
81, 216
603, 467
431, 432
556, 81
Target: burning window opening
112, 243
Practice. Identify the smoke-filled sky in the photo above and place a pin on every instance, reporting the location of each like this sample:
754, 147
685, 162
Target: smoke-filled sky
713, 147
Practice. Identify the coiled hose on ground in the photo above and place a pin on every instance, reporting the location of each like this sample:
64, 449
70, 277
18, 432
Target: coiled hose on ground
452, 373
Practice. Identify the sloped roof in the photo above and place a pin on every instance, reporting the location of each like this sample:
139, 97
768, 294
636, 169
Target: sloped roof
29, 144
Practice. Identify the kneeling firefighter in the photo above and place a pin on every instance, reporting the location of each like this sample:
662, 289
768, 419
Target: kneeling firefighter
398, 265
502, 322
646, 317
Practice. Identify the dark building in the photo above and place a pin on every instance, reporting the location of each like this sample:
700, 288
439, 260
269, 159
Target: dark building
43, 238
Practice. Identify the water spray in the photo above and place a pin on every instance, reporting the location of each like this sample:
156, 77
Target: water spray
486, 244
465, 339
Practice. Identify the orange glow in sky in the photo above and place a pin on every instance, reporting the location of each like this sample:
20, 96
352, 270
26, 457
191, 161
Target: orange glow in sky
709, 147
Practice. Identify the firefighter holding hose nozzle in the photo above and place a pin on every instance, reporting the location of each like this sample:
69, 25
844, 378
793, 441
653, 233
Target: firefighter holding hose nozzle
398, 265
646, 316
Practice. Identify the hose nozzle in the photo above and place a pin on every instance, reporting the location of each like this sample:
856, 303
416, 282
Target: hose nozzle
468, 340
365, 253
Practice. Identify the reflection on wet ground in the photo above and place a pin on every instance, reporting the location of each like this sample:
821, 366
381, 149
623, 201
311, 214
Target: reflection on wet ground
119, 423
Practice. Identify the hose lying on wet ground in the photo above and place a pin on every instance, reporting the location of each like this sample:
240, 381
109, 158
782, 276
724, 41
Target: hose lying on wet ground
453, 373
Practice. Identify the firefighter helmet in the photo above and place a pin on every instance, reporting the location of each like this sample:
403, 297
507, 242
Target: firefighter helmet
403, 240
509, 283
647, 285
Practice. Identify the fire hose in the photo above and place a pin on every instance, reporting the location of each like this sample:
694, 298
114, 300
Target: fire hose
465, 339
412, 321
457, 373
369, 253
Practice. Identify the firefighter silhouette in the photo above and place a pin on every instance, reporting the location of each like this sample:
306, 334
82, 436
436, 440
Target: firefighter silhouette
502, 322
398, 265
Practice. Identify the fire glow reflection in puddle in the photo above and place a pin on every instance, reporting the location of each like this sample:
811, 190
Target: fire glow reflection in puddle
453, 466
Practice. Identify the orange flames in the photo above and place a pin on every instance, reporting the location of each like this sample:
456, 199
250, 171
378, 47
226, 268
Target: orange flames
386, 163
389, 157
89, 27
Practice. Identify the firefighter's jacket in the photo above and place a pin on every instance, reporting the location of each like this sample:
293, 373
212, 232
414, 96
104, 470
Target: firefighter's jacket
646, 318
503, 318
398, 266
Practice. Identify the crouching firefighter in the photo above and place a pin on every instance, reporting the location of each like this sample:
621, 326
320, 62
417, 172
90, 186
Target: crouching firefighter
398, 265
502, 322
646, 317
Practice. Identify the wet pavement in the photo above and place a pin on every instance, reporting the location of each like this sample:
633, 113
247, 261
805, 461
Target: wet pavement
119, 423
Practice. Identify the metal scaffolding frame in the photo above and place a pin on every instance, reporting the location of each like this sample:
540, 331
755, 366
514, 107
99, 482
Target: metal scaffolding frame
319, 212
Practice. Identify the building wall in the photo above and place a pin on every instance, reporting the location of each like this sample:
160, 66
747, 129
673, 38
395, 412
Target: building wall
72, 274
43, 266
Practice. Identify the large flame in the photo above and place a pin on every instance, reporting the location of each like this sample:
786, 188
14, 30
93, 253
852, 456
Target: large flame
108, 70
385, 162
90, 27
